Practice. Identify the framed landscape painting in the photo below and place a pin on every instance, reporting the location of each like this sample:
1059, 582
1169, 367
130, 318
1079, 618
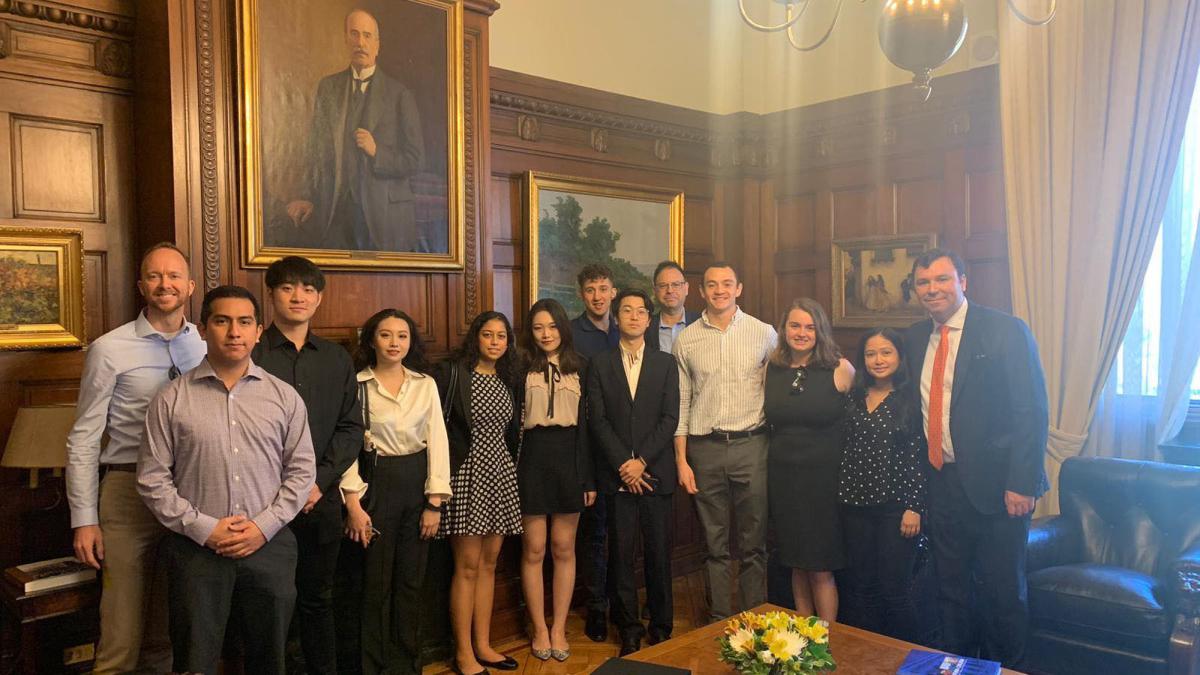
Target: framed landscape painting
572, 222
873, 283
41, 272
352, 126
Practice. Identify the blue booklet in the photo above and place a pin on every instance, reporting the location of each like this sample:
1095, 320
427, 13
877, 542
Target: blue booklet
921, 662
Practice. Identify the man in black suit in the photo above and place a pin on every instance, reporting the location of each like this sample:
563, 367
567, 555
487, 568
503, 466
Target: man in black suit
985, 414
364, 146
670, 291
633, 399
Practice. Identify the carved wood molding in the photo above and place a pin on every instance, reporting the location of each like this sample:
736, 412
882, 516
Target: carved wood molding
570, 113
471, 226
209, 193
72, 18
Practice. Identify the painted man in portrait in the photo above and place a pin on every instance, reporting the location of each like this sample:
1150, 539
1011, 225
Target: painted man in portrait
364, 146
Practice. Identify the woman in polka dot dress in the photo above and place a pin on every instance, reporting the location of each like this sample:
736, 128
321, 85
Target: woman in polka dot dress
479, 386
882, 490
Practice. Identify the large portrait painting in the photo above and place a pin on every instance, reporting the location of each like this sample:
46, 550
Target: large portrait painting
873, 281
41, 272
352, 132
573, 222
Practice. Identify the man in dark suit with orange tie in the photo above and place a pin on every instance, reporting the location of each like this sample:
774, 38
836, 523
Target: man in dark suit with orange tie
633, 409
985, 415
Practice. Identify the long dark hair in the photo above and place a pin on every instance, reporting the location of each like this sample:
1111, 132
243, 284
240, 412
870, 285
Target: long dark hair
467, 353
903, 394
364, 354
825, 352
535, 358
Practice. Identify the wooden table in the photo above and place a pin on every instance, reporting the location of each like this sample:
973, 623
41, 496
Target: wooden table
26, 610
856, 651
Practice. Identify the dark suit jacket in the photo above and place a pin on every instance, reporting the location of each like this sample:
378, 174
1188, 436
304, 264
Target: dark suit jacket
390, 114
652, 332
999, 415
458, 428
624, 427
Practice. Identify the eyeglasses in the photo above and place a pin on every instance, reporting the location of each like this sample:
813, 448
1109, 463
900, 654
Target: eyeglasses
673, 285
798, 383
634, 311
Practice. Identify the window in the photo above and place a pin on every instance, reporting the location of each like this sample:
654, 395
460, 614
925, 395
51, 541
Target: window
1139, 369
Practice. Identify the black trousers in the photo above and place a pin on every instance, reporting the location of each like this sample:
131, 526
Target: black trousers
876, 592
206, 591
316, 567
649, 516
595, 554
980, 562
394, 570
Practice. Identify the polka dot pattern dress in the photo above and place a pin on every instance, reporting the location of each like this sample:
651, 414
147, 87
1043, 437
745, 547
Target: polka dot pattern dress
486, 500
881, 463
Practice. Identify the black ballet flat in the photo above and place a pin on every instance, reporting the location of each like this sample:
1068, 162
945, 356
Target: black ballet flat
509, 663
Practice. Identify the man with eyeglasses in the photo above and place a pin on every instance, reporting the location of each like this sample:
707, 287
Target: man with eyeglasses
721, 442
633, 395
670, 290
114, 531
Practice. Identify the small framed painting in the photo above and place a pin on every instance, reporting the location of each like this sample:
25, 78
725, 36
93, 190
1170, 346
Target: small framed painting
41, 272
873, 282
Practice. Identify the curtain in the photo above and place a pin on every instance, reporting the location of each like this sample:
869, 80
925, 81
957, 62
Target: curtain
1092, 112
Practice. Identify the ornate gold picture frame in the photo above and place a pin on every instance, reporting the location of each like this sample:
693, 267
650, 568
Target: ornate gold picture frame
351, 132
872, 280
41, 272
571, 222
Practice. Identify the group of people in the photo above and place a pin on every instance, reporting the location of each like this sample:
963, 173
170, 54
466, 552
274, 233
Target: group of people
245, 467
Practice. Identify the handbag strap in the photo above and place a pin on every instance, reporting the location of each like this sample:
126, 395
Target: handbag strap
451, 390
366, 405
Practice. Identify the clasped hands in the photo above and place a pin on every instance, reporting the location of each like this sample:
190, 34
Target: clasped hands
236, 537
633, 474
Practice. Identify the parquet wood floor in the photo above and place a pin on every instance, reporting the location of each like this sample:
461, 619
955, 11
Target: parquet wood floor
690, 613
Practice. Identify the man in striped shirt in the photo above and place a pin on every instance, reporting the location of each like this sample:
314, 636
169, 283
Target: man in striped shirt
721, 441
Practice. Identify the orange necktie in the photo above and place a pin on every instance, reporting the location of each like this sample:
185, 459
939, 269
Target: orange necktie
937, 384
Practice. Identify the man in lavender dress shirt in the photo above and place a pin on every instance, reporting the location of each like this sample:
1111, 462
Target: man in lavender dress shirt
226, 462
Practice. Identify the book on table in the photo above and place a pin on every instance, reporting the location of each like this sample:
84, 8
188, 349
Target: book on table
49, 574
922, 662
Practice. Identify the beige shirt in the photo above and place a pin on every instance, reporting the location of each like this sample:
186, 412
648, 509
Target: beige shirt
564, 390
632, 362
404, 424
721, 374
955, 322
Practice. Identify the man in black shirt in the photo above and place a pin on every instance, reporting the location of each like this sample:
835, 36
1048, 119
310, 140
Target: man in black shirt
323, 373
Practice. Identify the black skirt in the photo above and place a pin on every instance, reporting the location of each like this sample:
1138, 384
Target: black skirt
548, 475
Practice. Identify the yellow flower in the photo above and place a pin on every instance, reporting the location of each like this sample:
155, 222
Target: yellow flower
784, 644
817, 631
778, 620
742, 640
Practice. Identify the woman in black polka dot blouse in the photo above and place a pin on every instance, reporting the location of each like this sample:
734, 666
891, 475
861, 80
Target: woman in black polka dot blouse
881, 490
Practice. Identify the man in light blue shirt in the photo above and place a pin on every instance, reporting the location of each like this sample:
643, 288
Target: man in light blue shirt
114, 531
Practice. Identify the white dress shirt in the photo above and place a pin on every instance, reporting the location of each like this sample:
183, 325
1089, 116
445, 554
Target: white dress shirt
955, 323
721, 374
632, 362
404, 424
362, 78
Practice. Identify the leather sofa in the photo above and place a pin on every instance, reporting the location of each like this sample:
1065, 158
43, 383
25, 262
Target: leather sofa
1114, 581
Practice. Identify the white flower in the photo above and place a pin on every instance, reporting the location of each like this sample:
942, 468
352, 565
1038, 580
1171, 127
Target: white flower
783, 644
742, 640
765, 656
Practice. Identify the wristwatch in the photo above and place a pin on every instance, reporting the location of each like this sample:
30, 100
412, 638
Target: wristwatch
440, 508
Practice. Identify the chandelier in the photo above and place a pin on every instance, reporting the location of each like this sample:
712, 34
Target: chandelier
916, 35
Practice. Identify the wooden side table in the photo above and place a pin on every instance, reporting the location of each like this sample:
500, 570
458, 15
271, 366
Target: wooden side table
26, 610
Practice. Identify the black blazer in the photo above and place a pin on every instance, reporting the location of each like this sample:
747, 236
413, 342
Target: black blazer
999, 415
583, 450
458, 428
652, 332
623, 427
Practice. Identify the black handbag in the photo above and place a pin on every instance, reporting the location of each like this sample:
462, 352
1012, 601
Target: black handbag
367, 456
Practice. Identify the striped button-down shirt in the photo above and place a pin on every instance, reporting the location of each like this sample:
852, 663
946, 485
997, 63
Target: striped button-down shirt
721, 374
124, 369
212, 452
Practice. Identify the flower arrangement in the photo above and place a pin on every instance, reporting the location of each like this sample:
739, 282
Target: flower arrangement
776, 643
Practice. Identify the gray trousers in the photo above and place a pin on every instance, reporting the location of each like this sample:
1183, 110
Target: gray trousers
732, 473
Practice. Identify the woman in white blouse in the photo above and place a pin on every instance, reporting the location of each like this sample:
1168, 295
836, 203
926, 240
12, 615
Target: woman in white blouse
395, 506
555, 474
